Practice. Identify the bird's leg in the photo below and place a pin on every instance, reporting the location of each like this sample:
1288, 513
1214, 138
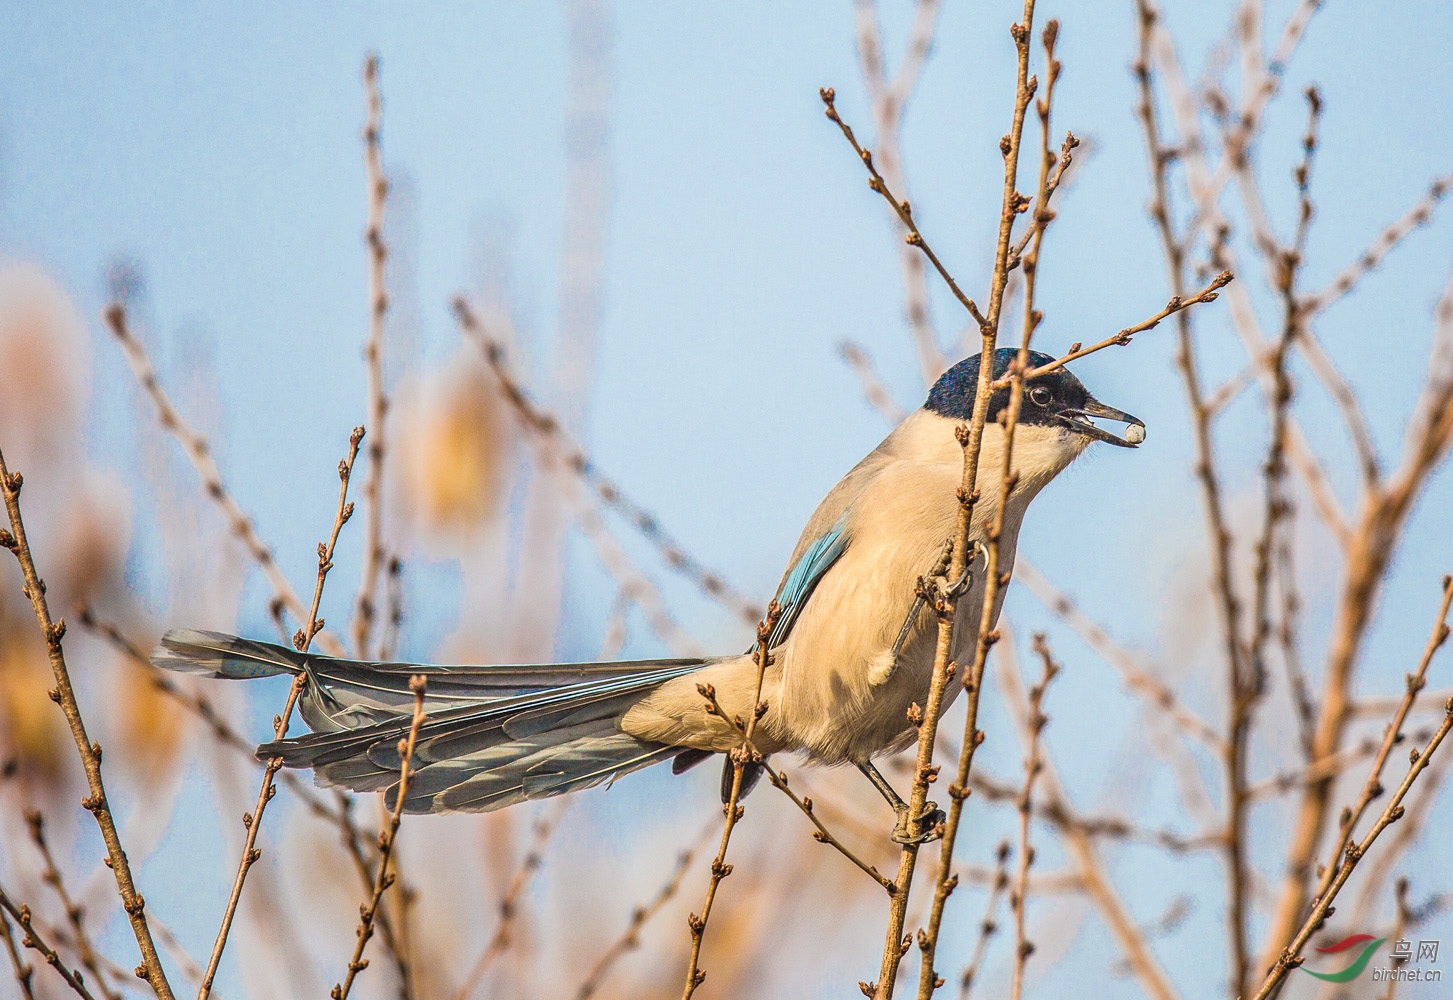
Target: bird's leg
922, 595
928, 821
947, 590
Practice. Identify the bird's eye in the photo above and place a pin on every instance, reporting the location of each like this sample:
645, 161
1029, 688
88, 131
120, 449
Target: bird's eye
1040, 395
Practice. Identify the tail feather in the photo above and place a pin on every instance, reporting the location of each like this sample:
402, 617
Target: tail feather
531, 769
217, 654
351, 694
493, 736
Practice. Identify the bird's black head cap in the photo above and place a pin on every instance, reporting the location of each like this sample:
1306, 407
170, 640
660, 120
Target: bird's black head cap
953, 394
1054, 399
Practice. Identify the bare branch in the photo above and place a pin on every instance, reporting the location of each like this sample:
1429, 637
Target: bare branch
365, 605
1176, 304
888, 101
199, 453
901, 208
387, 837
64, 695
1346, 280
509, 905
551, 434
877, 394
1352, 852
1079, 844
24, 972
1136, 678
740, 757
32, 940
75, 913
630, 940
988, 924
1033, 764
779, 781
303, 640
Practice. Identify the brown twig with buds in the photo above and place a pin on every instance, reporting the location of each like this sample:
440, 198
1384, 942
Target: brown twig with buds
779, 781
1033, 763
387, 838
365, 605
640, 916
509, 905
902, 209
24, 971
199, 454
1352, 852
303, 640
988, 924
75, 913
33, 940
1177, 304
740, 757
64, 695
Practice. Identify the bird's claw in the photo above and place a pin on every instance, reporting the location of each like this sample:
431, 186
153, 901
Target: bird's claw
930, 826
946, 591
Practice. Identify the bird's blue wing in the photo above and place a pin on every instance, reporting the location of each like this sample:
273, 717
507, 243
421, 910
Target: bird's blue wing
805, 576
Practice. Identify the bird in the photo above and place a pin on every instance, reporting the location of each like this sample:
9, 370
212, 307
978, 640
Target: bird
851, 647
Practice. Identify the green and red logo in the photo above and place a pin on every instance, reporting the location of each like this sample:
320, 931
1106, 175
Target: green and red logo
1368, 944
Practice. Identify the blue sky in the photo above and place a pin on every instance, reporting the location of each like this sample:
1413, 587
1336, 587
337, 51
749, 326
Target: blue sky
220, 149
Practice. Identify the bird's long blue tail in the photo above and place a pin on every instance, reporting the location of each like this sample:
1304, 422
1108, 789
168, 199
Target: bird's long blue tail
493, 736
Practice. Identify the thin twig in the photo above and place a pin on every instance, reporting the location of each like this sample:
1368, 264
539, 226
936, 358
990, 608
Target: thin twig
1410, 830
221, 730
996, 573
1352, 852
1228, 391
65, 696
630, 939
1373, 788
33, 940
888, 101
509, 906
902, 209
1369, 259
1080, 844
365, 606
740, 757
1280, 509
988, 924
1176, 305
876, 393
75, 913
1058, 815
199, 453
548, 429
1241, 689
1326, 767
804, 803
1033, 764
387, 838
354, 843
24, 971
1140, 682
304, 639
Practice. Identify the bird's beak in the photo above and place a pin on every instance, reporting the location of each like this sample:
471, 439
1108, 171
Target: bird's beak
1079, 421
